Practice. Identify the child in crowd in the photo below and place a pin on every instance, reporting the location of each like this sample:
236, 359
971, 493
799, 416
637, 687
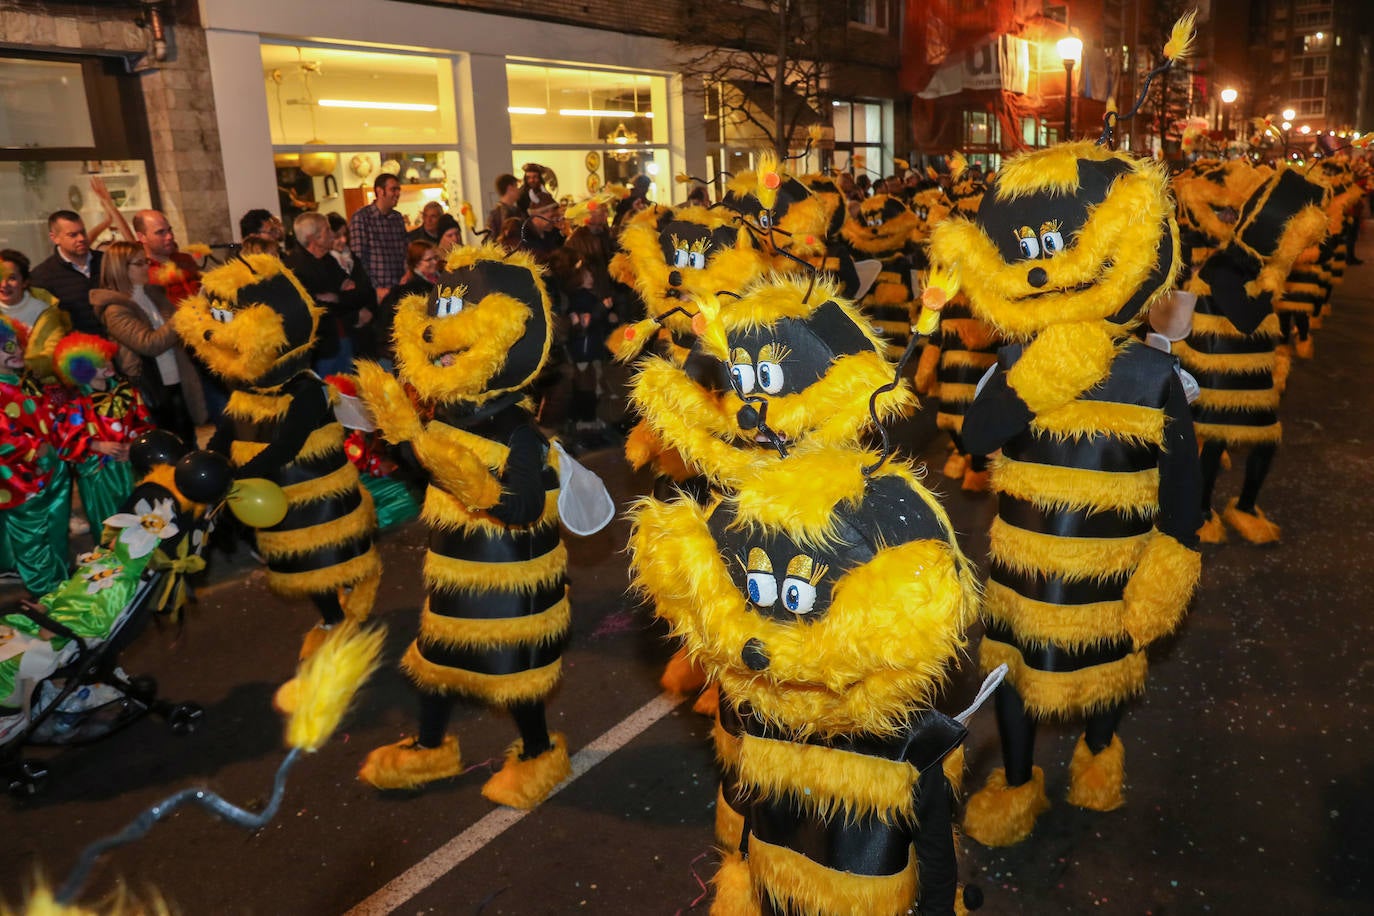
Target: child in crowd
103, 414
35, 490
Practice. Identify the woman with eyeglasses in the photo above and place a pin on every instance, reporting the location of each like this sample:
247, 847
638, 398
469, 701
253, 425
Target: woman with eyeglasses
138, 316
423, 263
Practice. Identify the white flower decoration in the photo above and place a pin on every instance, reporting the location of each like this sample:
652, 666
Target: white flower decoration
100, 578
145, 527
91, 557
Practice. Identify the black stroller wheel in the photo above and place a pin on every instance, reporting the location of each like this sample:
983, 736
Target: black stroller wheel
28, 779
143, 688
184, 718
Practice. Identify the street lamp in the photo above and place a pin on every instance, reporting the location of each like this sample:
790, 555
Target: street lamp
1228, 97
1071, 52
1289, 114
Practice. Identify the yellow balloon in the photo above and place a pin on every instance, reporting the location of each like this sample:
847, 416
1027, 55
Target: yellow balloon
257, 502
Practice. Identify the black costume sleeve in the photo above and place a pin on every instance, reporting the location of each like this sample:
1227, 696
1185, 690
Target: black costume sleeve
1180, 473
935, 860
522, 482
223, 437
1226, 273
308, 412
995, 416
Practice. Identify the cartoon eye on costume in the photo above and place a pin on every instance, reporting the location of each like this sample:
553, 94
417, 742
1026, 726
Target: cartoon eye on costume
445, 306
799, 588
769, 372
766, 220
1051, 241
682, 257
742, 370
697, 260
763, 588
1030, 243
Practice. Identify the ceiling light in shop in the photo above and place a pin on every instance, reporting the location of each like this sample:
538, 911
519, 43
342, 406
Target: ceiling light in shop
596, 112
518, 109
379, 106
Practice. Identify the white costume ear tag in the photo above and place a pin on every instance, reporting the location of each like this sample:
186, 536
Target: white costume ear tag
584, 504
1191, 389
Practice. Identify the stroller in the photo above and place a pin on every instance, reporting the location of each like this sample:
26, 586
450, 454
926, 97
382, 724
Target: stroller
60, 680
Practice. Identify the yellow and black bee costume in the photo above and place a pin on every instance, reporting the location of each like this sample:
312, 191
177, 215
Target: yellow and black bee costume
497, 614
1231, 348
883, 231
254, 325
1092, 552
826, 593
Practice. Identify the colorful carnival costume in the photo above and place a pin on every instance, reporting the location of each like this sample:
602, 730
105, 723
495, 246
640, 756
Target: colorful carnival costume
497, 613
101, 409
1092, 552
825, 592
35, 488
1231, 350
883, 231
254, 325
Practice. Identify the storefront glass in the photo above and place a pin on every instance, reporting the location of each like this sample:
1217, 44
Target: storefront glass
591, 128
43, 104
340, 117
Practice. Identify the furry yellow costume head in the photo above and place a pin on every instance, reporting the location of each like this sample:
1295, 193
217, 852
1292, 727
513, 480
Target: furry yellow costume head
1073, 233
1210, 195
783, 211
884, 225
252, 322
482, 331
931, 207
801, 369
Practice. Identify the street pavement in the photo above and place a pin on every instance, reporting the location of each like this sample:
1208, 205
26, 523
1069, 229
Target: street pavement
1249, 759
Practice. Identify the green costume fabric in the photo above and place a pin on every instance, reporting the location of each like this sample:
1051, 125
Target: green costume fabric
394, 502
103, 489
33, 534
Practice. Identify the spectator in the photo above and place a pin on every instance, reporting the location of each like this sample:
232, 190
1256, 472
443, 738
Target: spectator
137, 315
338, 227
72, 271
173, 270
46, 323
542, 234
638, 199
699, 196
261, 222
450, 233
534, 195
510, 237
260, 244
422, 272
377, 235
507, 206
347, 305
428, 230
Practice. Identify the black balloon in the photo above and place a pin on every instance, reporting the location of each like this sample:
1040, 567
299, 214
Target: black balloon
204, 477
156, 446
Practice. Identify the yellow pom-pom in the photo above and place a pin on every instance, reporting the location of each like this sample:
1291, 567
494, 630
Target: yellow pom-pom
1181, 37
328, 680
198, 250
682, 178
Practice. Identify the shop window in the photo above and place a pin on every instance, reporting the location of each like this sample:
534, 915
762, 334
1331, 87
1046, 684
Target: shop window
981, 129
44, 104
869, 14
589, 127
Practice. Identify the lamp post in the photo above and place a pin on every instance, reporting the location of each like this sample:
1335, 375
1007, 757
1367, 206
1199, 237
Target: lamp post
1071, 52
1228, 98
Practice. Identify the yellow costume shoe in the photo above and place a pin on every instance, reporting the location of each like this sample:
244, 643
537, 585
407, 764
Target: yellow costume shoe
526, 783
1002, 815
1315, 322
708, 703
287, 696
1252, 526
1304, 348
313, 640
977, 481
406, 765
955, 466
1212, 530
681, 674
735, 895
1096, 779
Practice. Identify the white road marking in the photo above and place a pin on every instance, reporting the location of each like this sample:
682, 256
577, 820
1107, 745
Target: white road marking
449, 856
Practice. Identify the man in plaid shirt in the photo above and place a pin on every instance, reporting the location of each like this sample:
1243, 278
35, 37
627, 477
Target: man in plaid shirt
377, 235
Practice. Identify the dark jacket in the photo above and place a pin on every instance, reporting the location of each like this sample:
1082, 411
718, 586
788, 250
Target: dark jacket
72, 289
325, 276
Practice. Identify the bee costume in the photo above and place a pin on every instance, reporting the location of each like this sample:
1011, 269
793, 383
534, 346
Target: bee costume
254, 325
1093, 550
497, 615
826, 594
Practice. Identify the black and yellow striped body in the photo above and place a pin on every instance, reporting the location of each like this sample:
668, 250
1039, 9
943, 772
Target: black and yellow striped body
325, 541
889, 303
1238, 402
815, 844
1079, 492
968, 348
497, 615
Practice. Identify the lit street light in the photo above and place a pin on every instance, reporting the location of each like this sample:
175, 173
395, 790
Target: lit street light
1289, 114
1071, 52
1228, 97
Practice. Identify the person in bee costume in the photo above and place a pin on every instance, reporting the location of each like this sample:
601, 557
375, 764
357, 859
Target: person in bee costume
1231, 349
825, 591
497, 614
685, 253
254, 325
1093, 551
883, 231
